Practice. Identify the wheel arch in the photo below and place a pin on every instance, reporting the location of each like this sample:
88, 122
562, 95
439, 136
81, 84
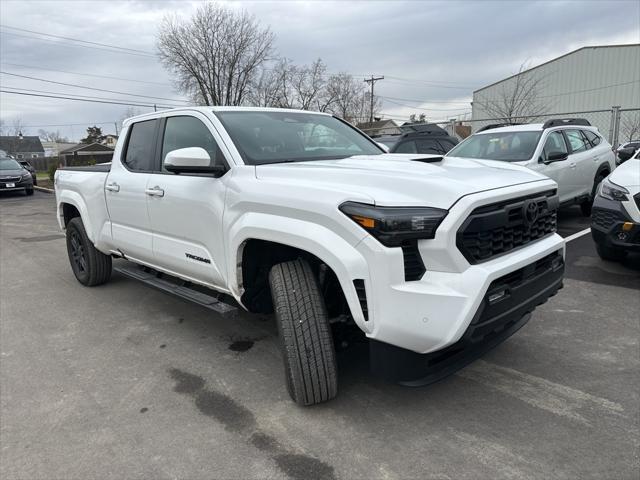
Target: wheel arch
262, 241
71, 205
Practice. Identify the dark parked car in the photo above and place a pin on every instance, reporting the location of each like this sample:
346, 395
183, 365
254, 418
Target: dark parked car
14, 176
29, 168
420, 138
625, 151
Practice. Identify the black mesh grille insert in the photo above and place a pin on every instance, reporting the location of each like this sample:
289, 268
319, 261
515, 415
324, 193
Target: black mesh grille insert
492, 230
413, 266
362, 297
605, 218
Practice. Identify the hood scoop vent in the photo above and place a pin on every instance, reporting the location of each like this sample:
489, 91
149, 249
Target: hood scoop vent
428, 159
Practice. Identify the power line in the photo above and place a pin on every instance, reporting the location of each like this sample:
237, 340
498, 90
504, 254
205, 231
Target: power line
433, 82
85, 74
91, 88
77, 45
68, 124
106, 101
73, 94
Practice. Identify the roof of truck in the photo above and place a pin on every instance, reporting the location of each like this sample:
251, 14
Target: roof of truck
207, 109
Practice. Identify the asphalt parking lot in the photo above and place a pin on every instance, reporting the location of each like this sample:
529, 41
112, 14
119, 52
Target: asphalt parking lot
123, 381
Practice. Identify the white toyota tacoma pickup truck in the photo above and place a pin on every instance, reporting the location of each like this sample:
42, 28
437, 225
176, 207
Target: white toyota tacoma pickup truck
435, 259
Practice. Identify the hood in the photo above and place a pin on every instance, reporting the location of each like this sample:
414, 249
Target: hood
627, 174
13, 173
401, 179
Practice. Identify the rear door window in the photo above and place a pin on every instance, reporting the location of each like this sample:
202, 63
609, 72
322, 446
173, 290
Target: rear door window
429, 145
576, 141
407, 147
592, 137
141, 146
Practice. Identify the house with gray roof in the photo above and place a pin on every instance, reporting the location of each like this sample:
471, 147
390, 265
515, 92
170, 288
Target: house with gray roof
86, 154
22, 147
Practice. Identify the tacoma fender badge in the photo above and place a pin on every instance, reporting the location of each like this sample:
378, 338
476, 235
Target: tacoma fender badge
197, 258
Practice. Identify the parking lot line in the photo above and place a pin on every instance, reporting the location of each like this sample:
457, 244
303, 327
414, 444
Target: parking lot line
577, 235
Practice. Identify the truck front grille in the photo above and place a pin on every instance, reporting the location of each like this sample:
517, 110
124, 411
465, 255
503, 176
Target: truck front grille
495, 229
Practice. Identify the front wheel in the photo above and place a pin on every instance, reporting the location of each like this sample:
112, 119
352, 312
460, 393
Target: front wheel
90, 266
28, 191
305, 333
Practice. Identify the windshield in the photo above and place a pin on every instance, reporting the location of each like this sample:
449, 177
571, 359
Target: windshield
505, 146
273, 137
9, 164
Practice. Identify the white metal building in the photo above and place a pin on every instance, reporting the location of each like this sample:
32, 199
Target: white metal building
590, 79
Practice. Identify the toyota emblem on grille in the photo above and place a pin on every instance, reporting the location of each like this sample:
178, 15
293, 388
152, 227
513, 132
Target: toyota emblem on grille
530, 212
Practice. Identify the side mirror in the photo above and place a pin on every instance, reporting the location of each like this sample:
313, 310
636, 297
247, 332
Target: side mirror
383, 146
555, 157
191, 160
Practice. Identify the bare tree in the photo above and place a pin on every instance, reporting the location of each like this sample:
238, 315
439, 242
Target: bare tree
518, 98
630, 127
17, 127
347, 98
50, 136
308, 82
216, 54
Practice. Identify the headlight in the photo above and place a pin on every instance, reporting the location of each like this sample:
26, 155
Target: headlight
26, 176
613, 192
393, 225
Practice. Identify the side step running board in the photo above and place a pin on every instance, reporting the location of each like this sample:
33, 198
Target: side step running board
182, 289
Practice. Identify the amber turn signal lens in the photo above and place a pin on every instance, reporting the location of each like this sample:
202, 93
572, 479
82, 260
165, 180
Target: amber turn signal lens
364, 221
627, 226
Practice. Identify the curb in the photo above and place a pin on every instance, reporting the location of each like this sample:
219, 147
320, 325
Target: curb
42, 189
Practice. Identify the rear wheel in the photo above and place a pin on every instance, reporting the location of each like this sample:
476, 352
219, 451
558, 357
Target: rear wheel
90, 266
305, 333
611, 254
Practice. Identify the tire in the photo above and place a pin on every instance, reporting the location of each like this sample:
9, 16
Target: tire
28, 191
611, 254
305, 334
585, 206
90, 266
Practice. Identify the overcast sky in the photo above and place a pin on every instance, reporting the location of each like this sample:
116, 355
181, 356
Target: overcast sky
432, 54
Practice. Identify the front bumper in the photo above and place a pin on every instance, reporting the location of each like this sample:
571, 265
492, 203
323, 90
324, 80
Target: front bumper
432, 313
607, 220
505, 307
21, 184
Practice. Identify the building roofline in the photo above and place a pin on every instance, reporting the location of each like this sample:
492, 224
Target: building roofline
553, 60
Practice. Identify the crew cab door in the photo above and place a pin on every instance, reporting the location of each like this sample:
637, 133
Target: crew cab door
559, 171
583, 160
125, 192
186, 210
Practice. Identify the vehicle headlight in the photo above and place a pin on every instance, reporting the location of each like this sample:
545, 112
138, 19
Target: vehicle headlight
393, 225
611, 191
26, 176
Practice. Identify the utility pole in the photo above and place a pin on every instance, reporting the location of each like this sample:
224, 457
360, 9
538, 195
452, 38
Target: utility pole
116, 125
371, 81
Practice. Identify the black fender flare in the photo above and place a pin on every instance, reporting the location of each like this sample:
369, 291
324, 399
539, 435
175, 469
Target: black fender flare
604, 167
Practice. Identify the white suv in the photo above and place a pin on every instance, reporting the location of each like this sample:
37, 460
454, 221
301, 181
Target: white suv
570, 151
